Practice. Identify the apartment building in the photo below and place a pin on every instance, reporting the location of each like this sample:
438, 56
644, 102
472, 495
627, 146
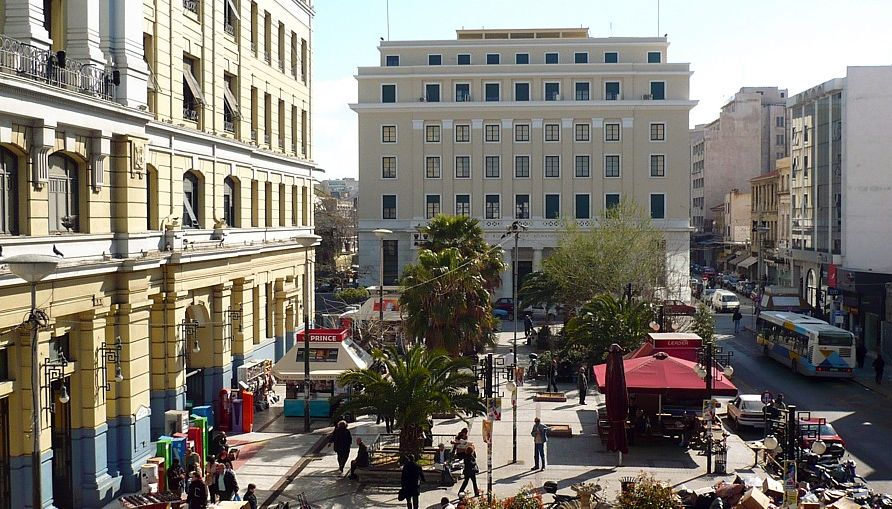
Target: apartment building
746, 140
783, 275
540, 126
764, 215
163, 147
736, 236
342, 189
839, 202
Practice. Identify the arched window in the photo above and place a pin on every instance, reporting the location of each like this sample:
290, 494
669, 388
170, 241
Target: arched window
191, 203
230, 202
9, 204
63, 194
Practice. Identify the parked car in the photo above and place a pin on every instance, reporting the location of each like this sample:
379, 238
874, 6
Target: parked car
707, 295
747, 410
506, 304
723, 300
814, 428
540, 313
729, 282
708, 271
499, 313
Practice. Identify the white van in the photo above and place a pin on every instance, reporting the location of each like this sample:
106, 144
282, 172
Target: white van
725, 300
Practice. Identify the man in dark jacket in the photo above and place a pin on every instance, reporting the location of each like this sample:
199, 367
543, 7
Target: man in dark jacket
341, 439
225, 482
197, 496
582, 384
362, 458
412, 476
553, 374
879, 365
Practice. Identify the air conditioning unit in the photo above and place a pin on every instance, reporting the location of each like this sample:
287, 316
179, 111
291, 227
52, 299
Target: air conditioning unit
176, 421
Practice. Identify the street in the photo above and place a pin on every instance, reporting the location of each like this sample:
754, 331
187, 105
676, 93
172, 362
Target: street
860, 415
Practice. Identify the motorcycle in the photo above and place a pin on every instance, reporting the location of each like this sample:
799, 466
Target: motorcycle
533, 370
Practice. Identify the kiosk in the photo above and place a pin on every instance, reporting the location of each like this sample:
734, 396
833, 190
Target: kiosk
332, 352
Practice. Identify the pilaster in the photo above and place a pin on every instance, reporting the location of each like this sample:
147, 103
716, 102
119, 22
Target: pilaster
82, 32
24, 22
128, 182
126, 50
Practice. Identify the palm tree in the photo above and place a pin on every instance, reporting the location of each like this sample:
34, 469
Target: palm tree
417, 385
446, 302
607, 319
464, 233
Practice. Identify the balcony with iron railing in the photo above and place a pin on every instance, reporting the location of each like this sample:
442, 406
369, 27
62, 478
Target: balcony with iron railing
266, 138
56, 70
228, 122
190, 111
268, 56
191, 5
254, 134
229, 28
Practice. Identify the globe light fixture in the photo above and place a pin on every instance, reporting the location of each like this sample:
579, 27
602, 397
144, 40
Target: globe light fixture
770, 442
819, 447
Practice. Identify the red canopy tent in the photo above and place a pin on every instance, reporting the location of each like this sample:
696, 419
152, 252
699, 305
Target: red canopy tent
667, 376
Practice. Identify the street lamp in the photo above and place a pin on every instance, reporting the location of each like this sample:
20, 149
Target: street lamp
33, 268
307, 242
381, 233
515, 229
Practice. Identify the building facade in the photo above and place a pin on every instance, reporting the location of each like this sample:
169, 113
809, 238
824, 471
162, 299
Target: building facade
736, 235
342, 189
163, 147
839, 202
538, 126
764, 215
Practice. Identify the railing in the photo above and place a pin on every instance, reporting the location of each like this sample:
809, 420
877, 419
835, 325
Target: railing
611, 96
266, 138
191, 5
189, 111
463, 98
228, 124
229, 28
267, 55
253, 134
56, 70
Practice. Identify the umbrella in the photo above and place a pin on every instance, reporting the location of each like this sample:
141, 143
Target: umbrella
665, 375
617, 402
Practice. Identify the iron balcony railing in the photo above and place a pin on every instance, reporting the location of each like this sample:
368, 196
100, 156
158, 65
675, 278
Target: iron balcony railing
229, 28
191, 5
54, 69
189, 111
253, 134
266, 139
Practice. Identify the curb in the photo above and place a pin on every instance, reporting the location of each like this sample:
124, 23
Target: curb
870, 388
295, 470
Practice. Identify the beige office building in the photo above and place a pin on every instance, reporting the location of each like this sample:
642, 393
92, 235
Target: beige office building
540, 126
163, 147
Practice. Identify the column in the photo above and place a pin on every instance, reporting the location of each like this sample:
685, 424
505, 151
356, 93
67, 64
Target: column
290, 317
279, 317
126, 50
220, 371
127, 180
505, 289
82, 32
537, 259
24, 22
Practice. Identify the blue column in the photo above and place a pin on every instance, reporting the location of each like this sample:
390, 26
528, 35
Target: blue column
129, 445
94, 487
289, 341
20, 478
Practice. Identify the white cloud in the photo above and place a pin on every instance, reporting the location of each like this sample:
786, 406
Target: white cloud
335, 137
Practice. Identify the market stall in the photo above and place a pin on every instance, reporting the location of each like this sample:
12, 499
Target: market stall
332, 352
677, 344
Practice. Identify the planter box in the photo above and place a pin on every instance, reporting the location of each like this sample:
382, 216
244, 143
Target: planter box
559, 431
556, 397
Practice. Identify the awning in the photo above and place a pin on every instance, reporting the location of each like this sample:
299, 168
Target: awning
669, 376
233, 103
193, 83
233, 9
737, 259
748, 262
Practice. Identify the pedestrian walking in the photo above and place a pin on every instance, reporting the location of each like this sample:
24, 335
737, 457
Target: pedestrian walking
176, 478
879, 365
860, 353
410, 479
470, 470
736, 317
197, 496
441, 458
518, 376
225, 482
251, 497
341, 439
582, 384
192, 461
446, 504
527, 325
362, 458
540, 437
210, 476
552, 375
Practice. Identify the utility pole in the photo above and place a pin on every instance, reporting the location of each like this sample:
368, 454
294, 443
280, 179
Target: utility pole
516, 230
709, 362
488, 388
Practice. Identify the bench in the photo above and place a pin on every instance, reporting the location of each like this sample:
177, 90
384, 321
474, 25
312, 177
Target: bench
559, 430
391, 476
554, 397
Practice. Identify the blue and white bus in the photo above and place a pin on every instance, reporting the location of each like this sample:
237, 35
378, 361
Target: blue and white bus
809, 346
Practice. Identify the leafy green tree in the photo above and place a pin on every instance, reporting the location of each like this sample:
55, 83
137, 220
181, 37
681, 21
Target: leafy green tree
466, 235
417, 385
704, 323
607, 319
538, 289
352, 295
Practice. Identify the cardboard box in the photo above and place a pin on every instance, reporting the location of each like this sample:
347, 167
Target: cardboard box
755, 499
773, 488
845, 503
809, 505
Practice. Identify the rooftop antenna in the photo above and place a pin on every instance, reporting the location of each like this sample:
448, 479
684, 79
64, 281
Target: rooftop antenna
387, 6
658, 18
611, 29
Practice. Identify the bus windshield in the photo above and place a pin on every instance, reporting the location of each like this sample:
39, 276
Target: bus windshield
834, 339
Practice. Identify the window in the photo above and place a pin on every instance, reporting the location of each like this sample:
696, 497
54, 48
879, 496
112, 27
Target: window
611, 90
254, 29
583, 166
522, 166
611, 166
553, 166
658, 131
582, 132
295, 58
9, 192
522, 206
388, 134
657, 90
583, 207
462, 167
491, 132
521, 58
432, 133
462, 92
230, 16
432, 92
388, 206
268, 203
658, 206
552, 206
779, 121
435, 60
551, 58
521, 91
191, 203
391, 264
654, 57
611, 200
779, 139
611, 57
462, 133
493, 207
230, 202
657, 166
388, 167
388, 93
552, 91
193, 99
522, 132
492, 58
491, 92
255, 204
493, 166
304, 60
582, 91
392, 61
432, 205
552, 132
463, 59
463, 205
580, 58
611, 132
432, 167
64, 194
267, 37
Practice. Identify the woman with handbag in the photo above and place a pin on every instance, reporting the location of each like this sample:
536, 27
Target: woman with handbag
411, 478
470, 470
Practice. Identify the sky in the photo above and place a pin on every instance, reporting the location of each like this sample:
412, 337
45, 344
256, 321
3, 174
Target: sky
793, 44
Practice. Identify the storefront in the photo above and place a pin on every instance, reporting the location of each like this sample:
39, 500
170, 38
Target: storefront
863, 306
331, 352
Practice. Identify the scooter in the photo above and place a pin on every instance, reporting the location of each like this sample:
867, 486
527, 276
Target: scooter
533, 370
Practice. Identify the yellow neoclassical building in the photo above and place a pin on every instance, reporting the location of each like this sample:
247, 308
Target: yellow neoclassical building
163, 148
